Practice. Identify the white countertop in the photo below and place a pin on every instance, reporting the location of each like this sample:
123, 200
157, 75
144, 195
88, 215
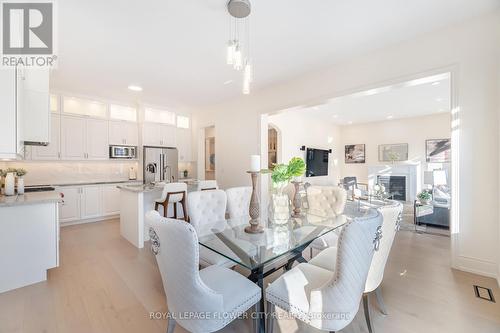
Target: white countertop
30, 199
141, 188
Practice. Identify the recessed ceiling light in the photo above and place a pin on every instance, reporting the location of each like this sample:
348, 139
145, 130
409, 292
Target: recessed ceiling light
228, 82
349, 122
335, 116
389, 117
435, 83
134, 88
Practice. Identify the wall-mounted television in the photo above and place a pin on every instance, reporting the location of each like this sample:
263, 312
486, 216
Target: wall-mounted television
316, 162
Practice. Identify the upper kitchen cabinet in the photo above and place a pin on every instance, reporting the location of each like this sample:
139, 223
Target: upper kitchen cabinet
183, 139
84, 107
53, 150
123, 133
158, 135
33, 105
84, 139
8, 129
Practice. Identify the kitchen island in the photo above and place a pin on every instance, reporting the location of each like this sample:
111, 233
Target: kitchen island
135, 202
29, 238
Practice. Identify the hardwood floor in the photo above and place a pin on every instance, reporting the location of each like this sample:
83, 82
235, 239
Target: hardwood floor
104, 284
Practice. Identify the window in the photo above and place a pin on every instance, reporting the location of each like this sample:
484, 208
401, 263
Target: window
120, 112
182, 122
54, 103
159, 116
84, 107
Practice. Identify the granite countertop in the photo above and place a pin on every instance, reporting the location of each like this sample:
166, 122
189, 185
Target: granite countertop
142, 188
95, 182
30, 199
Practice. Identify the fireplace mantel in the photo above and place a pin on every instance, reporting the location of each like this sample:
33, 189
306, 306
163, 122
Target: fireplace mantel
410, 171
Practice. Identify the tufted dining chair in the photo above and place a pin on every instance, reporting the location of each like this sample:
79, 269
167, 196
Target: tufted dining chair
325, 201
329, 300
391, 216
205, 185
238, 201
206, 207
172, 195
217, 291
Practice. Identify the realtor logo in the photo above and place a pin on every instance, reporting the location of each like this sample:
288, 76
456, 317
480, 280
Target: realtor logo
28, 29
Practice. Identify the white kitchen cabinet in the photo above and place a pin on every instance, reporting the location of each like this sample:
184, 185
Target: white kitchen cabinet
73, 138
53, 150
34, 104
84, 138
96, 139
84, 107
184, 145
168, 135
110, 200
123, 133
91, 202
151, 134
69, 209
8, 131
154, 134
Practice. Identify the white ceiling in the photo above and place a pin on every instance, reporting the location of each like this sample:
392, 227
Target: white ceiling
420, 97
175, 50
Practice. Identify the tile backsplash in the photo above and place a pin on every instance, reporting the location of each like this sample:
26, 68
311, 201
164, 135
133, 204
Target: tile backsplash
42, 173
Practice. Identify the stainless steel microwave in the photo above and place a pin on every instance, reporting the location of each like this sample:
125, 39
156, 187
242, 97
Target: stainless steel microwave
122, 152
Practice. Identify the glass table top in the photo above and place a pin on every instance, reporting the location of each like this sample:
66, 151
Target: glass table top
229, 239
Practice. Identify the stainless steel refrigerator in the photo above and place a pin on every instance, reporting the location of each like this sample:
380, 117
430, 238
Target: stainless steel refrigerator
160, 164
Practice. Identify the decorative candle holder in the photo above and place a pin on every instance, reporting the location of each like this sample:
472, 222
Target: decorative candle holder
297, 202
254, 209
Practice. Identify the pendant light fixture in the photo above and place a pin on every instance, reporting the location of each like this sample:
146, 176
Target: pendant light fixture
238, 45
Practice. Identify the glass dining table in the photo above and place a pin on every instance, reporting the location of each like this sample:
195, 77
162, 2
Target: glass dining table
277, 247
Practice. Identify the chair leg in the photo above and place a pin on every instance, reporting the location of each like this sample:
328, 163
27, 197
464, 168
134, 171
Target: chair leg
171, 325
175, 210
310, 252
270, 317
366, 306
380, 301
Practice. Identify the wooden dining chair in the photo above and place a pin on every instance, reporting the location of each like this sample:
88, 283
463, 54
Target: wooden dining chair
173, 194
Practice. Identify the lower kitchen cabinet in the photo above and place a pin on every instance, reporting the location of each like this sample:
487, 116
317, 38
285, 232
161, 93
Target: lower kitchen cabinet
88, 203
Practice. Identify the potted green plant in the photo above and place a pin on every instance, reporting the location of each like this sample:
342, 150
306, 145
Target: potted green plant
425, 197
281, 175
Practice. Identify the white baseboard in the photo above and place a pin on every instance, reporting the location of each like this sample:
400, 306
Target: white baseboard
97, 219
477, 266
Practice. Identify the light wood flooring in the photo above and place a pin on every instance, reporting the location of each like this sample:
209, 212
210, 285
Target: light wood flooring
104, 284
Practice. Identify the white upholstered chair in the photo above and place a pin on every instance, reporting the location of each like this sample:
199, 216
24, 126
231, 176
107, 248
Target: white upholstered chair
217, 291
238, 201
204, 185
391, 215
173, 194
329, 300
206, 207
327, 201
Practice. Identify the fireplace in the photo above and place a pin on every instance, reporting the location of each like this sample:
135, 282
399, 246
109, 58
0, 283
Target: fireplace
394, 185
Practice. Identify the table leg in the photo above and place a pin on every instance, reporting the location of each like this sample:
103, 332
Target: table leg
257, 276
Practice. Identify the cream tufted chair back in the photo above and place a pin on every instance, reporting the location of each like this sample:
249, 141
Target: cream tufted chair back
206, 206
173, 187
342, 294
391, 215
185, 290
326, 200
207, 185
238, 201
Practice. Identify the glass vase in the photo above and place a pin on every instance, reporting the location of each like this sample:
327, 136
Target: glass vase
279, 207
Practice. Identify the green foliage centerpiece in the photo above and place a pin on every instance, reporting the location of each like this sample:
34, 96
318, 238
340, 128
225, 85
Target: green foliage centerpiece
281, 175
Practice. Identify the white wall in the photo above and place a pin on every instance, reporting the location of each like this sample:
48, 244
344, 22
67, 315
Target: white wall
471, 50
413, 131
297, 129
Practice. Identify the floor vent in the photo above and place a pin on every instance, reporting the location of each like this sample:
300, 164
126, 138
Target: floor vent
484, 293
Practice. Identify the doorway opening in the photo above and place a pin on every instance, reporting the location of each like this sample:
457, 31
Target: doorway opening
210, 153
